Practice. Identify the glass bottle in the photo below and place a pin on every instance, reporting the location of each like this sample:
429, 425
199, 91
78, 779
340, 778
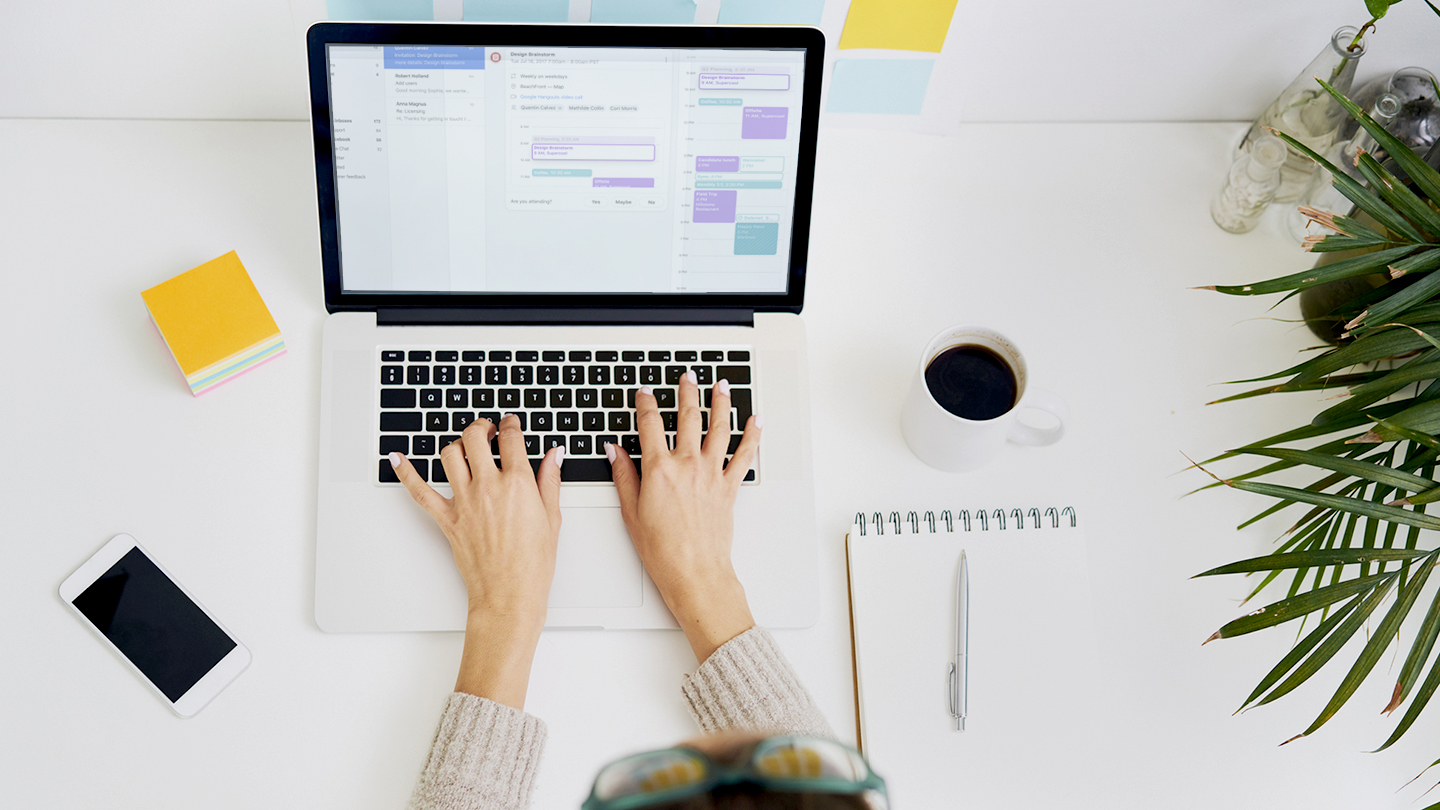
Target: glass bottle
1307, 113
1418, 124
1250, 186
1321, 193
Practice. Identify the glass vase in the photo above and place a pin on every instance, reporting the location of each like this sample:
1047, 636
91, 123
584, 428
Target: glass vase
1307, 113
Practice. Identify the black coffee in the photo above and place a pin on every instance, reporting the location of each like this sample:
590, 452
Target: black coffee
971, 382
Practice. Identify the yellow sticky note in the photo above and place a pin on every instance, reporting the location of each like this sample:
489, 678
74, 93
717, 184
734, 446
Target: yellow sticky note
214, 322
900, 25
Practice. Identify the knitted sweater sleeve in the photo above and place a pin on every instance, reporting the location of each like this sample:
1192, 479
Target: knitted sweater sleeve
747, 684
484, 757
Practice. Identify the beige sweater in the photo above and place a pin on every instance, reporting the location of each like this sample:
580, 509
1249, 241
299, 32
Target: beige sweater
485, 755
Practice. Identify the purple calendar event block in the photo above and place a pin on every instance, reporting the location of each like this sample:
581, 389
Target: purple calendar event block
714, 206
764, 122
622, 182
717, 164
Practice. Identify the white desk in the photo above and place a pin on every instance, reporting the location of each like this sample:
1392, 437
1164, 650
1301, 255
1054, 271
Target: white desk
1077, 240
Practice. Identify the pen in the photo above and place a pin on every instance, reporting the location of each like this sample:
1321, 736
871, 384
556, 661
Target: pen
959, 686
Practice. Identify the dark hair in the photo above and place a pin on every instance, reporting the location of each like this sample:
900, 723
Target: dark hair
755, 798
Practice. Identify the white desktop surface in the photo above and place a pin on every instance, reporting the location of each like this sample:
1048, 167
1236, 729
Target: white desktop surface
1077, 240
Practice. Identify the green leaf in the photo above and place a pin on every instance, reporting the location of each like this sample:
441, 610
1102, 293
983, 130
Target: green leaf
1363, 198
1426, 179
1293, 607
1402, 199
1361, 265
1360, 469
1373, 345
1375, 647
1409, 297
1299, 650
1301, 559
1333, 381
1407, 434
1377, 8
1422, 418
1333, 643
1419, 653
1358, 506
1422, 697
1422, 369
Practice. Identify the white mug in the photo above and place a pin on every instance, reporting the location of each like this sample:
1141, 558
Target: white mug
953, 443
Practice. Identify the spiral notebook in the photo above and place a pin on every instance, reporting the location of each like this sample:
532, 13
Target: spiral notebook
1035, 726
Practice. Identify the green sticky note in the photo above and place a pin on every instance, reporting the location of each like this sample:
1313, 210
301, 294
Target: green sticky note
771, 12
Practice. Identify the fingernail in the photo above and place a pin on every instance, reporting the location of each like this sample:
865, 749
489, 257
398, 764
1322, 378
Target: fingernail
560, 455
690, 375
647, 390
759, 421
395, 460
725, 387
610, 452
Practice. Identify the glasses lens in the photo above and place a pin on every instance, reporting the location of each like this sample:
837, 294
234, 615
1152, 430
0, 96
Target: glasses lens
656, 772
807, 758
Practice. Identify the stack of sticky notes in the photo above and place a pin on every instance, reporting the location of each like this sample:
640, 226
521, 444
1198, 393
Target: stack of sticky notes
214, 322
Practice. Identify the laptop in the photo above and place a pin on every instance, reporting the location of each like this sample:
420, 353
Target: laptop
540, 219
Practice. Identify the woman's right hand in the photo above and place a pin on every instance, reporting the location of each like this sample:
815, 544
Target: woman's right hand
681, 515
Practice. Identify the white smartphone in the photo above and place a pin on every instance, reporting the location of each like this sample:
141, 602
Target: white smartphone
162, 632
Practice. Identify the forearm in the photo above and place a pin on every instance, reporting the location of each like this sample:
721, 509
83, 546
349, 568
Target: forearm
711, 611
496, 661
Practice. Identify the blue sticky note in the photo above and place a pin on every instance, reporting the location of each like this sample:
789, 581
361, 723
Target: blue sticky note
380, 9
884, 86
771, 12
517, 10
681, 12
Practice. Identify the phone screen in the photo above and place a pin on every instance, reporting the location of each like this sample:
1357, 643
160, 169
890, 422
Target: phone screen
147, 616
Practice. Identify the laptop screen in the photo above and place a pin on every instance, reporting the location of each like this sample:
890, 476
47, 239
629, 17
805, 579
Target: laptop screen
566, 170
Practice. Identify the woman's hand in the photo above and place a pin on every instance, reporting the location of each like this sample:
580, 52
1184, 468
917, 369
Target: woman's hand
503, 525
681, 516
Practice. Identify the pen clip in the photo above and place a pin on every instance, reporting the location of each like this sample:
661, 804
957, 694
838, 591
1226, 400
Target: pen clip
951, 692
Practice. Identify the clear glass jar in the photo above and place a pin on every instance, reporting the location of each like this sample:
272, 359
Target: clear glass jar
1250, 186
1321, 193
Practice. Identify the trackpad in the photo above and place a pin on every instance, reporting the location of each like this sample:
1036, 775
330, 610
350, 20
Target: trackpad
596, 565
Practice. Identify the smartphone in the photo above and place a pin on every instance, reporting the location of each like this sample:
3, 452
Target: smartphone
178, 648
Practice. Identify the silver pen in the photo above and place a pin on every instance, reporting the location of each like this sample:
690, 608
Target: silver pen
959, 686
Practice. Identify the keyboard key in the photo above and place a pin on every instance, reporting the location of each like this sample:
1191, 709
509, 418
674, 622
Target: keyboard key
526, 357
393, 357
422, 467
670, 419
632, 357
417, 375
431, 398
734, 443
446, 357
587, 469
630, 442
630, 398
437, 422
559, 397
437, 472
495, 375
495, 446
387, 472
472, 375
400, 421
459, 419
740, 401
552, 442
579, 357
619, 421
650, 375
567, 421
524, 418
444, 375
738, 357
397, 398
548, 375
737, 375
394, 444
457, 398
704, 375
712, 357
579, 446
704, 421
492, 416
534, 397
509, 398
446, 441
665, 397
553, 357
599, 375
472, 357
612, 398
542, 420
592, 421
423, 446
419, 357
482, 398
625, 375
673, 374
574, 375
604, 439
532, 445
607, 357
587, 398
686, 357
522, 375
392, 375
498, 357
659, 357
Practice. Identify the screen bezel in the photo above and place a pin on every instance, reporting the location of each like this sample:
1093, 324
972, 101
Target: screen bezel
321, 35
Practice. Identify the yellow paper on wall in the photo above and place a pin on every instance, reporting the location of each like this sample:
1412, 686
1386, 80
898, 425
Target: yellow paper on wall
900, 25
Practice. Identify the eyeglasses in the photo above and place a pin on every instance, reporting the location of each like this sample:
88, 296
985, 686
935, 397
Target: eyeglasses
779, 764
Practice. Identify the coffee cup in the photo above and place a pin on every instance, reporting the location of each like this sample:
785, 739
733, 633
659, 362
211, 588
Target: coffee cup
964, 401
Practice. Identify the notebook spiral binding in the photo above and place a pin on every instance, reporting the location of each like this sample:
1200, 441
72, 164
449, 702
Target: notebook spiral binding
962, 518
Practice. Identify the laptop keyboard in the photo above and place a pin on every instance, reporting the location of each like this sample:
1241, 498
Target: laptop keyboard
580, 398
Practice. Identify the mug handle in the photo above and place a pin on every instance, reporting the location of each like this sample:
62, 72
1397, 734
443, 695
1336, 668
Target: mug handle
1042, 400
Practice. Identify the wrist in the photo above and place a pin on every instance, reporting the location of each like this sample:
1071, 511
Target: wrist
711, 613
499, 650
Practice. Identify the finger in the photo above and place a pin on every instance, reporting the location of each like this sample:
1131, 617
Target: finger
435, 504
512, 445
687, 428
745, 453
457, 470
717, 441
627, 480
476, 438
649, 424
547, 477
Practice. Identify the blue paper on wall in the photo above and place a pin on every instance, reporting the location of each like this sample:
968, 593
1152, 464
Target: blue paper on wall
771, 12
674, 12
883, 86
380, 9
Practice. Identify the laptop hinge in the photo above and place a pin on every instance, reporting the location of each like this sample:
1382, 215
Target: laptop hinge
528, 316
